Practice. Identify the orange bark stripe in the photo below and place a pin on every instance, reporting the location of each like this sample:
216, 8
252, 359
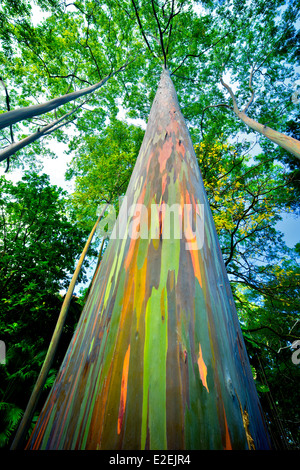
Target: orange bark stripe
163, 183
191, 237
123, 389
196, 265
164, 154
202, 368
130, 253
228, 445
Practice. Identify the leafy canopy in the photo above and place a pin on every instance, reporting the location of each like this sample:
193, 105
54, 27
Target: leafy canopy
39, 244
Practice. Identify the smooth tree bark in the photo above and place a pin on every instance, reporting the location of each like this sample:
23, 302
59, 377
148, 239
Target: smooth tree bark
288, 143
7, 99
46, 130
158, 359
20, 114
17, 115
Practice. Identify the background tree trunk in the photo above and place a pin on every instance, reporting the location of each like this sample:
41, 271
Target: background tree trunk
46, 130
288, 143
285, 141
17, 115
158, 359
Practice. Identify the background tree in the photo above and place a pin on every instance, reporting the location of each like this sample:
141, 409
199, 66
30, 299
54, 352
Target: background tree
102, 167
39, 245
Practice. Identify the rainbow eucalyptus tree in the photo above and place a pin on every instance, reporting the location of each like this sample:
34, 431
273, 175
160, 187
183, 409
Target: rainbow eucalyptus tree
157, 360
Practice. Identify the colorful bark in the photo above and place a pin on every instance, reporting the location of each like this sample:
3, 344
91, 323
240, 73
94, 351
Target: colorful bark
158, 359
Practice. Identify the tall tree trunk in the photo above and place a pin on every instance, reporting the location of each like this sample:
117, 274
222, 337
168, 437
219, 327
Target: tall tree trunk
158, 359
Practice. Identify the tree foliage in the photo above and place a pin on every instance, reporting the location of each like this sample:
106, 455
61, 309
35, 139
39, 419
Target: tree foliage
39, 244
103, 167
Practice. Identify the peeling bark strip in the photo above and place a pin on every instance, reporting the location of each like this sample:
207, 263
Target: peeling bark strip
158, 359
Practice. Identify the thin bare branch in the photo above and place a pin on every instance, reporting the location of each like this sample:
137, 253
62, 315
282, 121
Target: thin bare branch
171, 16
251, 89
89, 47
50, 75
281, 335
141, 27
235, 106
201, 53
160, 34
170, 22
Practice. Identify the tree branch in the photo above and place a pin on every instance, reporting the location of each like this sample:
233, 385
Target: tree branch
48, 71
284, 336
15, 147
17, 115
171, 16
90, 49
252, 91
235, 106
202, 52
232, 244
141, 27
212, 106
288, 143
160, 34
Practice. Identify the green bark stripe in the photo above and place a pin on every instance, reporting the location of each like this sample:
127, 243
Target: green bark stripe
154, 385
